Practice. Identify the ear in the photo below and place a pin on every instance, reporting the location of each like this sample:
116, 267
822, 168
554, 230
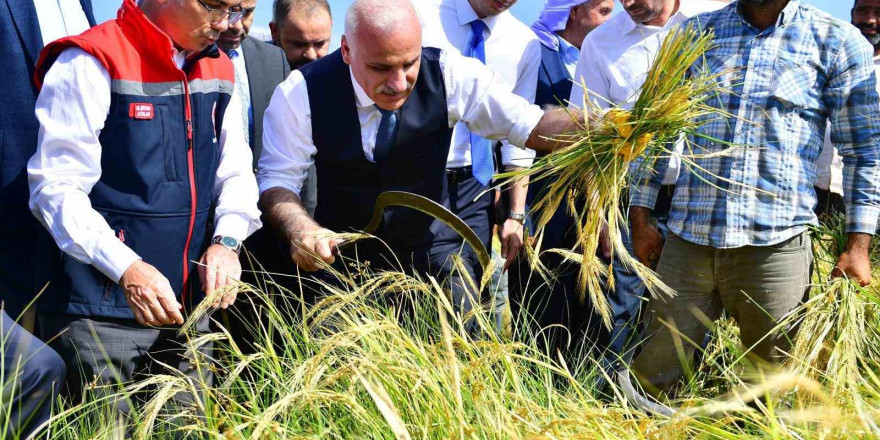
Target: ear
346, 50
273, 29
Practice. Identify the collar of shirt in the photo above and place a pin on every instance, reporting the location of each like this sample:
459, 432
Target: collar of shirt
570, 55
238, 59
179, 57
360, 96
466, 15
686, 9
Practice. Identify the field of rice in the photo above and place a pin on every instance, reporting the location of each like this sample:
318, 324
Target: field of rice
388, 358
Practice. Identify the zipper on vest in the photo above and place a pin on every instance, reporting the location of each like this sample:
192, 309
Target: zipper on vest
190, 162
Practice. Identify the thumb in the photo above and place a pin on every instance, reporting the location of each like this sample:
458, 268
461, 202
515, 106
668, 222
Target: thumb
323, 249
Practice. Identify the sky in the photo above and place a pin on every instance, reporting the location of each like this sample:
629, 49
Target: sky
526, 10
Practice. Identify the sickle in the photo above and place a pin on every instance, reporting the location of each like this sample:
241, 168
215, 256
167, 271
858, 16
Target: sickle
427, 206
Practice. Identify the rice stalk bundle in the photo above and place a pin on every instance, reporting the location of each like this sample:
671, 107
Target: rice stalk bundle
838, 326
592, 172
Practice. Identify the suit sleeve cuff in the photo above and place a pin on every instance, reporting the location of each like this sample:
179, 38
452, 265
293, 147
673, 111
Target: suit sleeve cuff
862, 218
113, 257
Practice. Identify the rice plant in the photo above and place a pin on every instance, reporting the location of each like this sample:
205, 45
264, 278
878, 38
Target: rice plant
838, 326
389, 357
591, 174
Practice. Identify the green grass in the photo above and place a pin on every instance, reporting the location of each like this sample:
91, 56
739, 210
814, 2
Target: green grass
356, 366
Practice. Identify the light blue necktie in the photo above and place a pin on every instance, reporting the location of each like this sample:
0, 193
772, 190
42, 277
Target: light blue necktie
481, 149
247, 110
386, 134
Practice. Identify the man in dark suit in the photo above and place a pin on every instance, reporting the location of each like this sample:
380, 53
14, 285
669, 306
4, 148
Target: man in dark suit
28, 254
259, 68
23, 32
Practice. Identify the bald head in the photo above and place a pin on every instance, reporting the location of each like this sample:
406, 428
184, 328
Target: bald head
382, 18
383, 45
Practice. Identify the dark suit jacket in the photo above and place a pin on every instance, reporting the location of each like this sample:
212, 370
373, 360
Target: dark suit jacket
20, 46
266, 68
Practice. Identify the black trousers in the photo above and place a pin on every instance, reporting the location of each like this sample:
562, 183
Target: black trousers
556, 314
113, 352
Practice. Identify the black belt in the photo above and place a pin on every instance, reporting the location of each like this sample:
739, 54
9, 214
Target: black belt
460, 174
664, 200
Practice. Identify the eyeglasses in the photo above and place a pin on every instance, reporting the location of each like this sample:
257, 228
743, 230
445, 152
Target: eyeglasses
233, 15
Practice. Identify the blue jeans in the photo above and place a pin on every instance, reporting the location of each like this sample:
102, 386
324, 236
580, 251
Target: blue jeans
627, 301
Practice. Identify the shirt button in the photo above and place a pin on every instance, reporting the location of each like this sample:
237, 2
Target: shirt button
255, 170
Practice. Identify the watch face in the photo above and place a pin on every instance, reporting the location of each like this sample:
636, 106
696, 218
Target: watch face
229, 242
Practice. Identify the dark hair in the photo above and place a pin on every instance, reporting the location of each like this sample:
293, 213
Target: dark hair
282, 7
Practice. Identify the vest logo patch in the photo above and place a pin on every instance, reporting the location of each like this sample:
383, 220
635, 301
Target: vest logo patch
140, 110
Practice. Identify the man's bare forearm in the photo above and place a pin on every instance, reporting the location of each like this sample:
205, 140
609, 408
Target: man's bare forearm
284, 212
858, 242
517, 192
551, 131
639, 216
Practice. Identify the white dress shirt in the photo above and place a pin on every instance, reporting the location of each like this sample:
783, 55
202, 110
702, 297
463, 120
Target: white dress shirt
829, 165
615, 59
513, 52
60, 18
72, 108
473, 96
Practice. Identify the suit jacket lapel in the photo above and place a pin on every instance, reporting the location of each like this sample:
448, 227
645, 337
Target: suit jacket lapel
87, 8
253, 64
24, 14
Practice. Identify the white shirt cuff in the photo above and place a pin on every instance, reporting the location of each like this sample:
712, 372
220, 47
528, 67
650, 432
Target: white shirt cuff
525, 124
232, 225
517, 157
113, 257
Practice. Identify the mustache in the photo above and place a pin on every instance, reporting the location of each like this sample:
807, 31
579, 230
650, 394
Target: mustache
874, 40
867, 27
385, 90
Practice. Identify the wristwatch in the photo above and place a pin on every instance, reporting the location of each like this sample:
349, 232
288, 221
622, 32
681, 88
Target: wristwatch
518, 216
227, 242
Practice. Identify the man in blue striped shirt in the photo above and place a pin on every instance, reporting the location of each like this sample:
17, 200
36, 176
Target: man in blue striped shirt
739, 223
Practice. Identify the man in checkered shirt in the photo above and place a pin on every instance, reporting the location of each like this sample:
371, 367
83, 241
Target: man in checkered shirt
739, 240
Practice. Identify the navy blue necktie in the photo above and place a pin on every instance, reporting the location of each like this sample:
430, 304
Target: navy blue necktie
481, 149
386, 134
